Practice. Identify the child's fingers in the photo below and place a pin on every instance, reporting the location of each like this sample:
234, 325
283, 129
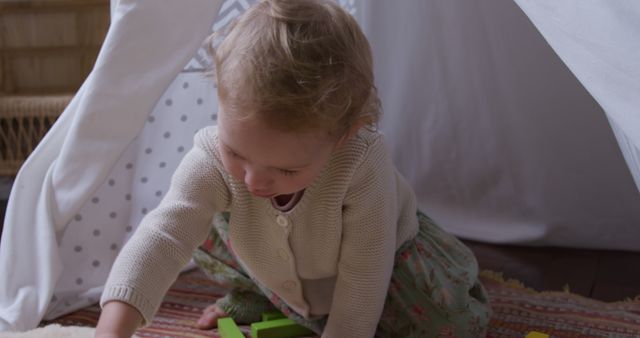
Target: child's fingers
209, 317
208, 320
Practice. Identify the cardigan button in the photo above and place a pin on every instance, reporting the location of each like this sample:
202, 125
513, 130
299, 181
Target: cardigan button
283, 254
282, 221
288, 285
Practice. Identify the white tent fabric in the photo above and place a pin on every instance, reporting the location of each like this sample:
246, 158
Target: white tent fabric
148, 44
501, 142
600, 42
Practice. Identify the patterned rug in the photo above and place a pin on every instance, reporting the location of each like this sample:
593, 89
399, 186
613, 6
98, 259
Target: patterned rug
517, 311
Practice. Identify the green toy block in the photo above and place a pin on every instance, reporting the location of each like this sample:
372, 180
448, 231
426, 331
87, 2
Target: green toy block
272, 315
535, 334
279, 328
228, 328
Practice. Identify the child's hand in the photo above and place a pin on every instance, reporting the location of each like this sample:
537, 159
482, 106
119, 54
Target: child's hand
118, 320
209, 317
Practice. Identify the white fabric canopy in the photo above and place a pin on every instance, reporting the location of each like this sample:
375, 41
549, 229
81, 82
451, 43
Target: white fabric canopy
148, 44
600, 42
500, 140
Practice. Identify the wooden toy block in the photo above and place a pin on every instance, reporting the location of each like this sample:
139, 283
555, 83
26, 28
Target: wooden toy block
279, 328
228, 328
535, 334
272, 315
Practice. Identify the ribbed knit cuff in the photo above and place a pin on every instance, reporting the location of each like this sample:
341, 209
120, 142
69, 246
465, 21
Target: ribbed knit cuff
130, 296
245, 306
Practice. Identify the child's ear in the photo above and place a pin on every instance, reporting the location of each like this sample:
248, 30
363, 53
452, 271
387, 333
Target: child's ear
351, 132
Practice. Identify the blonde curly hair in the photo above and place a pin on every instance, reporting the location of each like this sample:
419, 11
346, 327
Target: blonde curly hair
299, 65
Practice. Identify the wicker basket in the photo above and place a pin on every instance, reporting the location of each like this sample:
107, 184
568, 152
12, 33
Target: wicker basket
49, 46
24, 120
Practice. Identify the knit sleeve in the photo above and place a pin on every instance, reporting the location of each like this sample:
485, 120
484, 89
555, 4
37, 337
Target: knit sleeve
367, 249
163, 243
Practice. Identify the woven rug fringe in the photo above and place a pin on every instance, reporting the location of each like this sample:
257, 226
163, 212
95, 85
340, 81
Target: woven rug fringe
511, 282
516, 284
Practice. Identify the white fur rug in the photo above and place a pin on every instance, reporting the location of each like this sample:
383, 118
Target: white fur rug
53, 331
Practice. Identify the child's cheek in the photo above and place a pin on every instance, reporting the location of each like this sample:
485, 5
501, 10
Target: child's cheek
234, 169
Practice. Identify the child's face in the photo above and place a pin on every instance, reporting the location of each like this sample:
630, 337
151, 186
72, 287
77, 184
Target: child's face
270, 162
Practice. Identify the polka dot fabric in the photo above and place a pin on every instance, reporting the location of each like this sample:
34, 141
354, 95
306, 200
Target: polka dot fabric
135, 186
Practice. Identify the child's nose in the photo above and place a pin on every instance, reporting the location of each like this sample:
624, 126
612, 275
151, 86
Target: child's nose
257, 180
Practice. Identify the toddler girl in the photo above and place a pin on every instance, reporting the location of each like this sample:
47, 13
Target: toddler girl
296, 199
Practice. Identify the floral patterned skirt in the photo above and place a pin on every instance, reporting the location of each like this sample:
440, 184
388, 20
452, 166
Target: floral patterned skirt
434, 289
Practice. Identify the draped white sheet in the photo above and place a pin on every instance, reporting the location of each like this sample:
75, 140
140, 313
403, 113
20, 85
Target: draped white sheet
500, 140
148, 44
600, 42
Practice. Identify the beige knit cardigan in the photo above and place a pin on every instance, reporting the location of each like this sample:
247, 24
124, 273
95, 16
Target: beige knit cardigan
332, 253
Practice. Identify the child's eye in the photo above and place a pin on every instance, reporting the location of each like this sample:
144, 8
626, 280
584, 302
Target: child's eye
232, 153
288, 172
